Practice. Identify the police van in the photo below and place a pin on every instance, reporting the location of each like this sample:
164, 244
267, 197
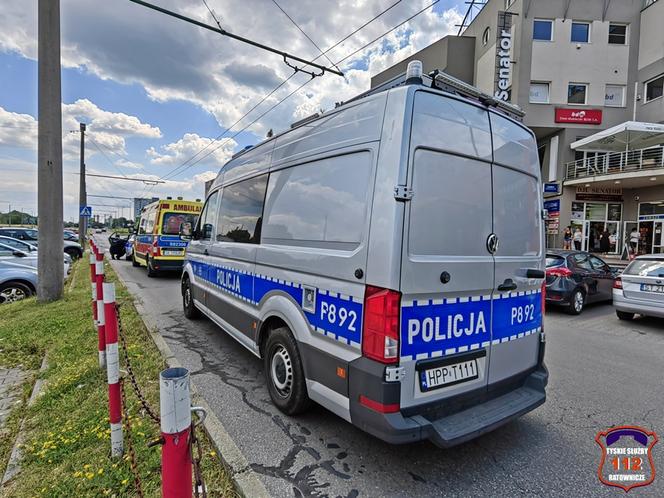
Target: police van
158, 244
385, 260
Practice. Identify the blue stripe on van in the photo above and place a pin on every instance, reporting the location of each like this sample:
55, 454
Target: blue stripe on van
335, 315
457, 325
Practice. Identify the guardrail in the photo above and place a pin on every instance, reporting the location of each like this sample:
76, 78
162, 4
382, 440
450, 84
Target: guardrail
616, 162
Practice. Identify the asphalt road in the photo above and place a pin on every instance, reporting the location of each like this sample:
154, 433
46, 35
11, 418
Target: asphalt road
603, 372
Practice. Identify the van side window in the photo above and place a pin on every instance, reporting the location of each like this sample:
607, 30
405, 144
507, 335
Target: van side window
149, 224
319, 204
207, 219
241, 211
141, 227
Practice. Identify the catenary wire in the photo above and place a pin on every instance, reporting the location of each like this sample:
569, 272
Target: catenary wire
182, 167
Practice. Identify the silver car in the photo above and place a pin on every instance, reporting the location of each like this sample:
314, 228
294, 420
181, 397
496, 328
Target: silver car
640, 288
385, 260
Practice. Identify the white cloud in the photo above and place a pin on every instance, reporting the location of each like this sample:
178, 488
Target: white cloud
17, 130
175, 153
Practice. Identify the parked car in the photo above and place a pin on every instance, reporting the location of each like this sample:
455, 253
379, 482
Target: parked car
69, 235
26, 247
13, 256
98, 230
129, 247
640, 288
30, 235
16, 282
576, 278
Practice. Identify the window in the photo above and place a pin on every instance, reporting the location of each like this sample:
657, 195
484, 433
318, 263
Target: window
34, 235
241, 211
319, 204
581, 261
617, 34
576, 93
654, 88
580, 32
485, 36
597, 263
206, 223
171, 223
509, 3
542, 30
539, 93
149, 224
614, 96
141, 227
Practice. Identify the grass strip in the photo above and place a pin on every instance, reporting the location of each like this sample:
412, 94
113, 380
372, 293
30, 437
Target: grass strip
67, 445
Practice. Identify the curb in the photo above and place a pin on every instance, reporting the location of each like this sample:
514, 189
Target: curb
14, 463
246, 480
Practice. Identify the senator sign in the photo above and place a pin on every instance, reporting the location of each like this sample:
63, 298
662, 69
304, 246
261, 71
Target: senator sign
578, 116
503, 56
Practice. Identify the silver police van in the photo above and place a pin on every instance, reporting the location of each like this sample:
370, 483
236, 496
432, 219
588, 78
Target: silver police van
385, 260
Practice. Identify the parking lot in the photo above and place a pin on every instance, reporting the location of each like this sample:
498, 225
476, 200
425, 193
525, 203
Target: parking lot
603, 372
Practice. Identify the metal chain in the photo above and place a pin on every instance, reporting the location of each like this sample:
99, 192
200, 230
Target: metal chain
196, 461
132, 378
130, 446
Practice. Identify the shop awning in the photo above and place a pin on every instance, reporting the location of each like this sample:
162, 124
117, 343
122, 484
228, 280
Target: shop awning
625, 136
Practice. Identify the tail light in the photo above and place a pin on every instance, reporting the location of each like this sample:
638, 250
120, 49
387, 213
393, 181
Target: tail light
380, 333
559, 271
617, 283
155, 248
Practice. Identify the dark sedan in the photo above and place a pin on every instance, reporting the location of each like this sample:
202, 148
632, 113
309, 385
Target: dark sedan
576, 278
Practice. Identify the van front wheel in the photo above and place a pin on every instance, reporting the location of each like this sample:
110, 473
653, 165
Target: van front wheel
284, 373
190, 309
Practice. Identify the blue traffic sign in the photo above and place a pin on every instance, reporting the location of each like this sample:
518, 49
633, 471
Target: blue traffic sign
85, 211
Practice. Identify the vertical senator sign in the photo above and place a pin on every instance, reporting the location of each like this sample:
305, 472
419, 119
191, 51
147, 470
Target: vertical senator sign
503, 56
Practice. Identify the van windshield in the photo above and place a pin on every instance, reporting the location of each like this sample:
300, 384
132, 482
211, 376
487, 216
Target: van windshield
173, 221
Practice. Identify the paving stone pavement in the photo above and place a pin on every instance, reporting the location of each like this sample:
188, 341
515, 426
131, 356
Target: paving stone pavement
10, 390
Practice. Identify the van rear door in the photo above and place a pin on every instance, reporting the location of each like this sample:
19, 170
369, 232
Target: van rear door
447, 274
517, 223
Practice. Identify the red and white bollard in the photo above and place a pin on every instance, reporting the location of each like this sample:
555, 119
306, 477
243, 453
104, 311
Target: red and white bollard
175, 412
101, 333
113, 369
93, 281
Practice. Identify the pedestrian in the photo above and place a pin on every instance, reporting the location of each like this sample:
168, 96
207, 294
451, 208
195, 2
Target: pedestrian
605, 242
634, 239
578, 237
567, 238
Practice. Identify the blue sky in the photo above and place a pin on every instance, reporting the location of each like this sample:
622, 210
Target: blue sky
155, 92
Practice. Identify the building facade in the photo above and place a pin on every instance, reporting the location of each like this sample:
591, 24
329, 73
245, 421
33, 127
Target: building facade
140, 203
577, 67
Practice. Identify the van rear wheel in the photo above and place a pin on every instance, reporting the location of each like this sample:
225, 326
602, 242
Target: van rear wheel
284, 373
151, 271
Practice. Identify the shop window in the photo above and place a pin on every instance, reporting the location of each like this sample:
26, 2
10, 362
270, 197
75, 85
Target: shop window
654, 88
539, 93
614, 96
577, 93
595, 212
615, 212
543, 30
617, 34
580, 32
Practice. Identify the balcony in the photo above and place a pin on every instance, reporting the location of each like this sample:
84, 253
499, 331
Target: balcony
639, 162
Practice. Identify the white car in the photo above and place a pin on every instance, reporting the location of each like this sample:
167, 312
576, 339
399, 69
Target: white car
640, 288
13, 257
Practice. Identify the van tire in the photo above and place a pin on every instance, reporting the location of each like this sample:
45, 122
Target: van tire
151, 271
284, 372
190, 309
577, 302
134, 263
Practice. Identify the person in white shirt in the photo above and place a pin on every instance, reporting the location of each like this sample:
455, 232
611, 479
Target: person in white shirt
634, 240
578, 238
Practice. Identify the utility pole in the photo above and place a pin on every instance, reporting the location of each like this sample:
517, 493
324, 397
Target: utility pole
49, 168
82, 195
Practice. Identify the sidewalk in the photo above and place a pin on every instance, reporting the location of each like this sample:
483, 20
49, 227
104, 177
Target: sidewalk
10, 390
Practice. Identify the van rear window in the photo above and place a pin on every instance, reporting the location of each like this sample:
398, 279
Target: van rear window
173, 221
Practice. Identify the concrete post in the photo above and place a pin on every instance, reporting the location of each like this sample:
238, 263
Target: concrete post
82, 194
49, 168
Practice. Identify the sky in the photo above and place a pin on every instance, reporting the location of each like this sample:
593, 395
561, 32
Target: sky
155, 92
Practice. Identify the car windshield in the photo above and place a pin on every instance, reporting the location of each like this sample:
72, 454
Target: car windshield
173, 221
646, 268
552, 260
18, 244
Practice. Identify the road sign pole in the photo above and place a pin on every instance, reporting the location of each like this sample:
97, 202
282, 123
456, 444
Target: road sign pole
82, 194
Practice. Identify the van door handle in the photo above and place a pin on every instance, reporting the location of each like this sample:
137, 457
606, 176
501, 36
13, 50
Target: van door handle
507, 285
206, 252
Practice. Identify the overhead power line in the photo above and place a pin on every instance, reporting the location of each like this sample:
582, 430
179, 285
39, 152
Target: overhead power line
184, 165
223, 32
147, 181
306, 35
308, 81
117, 168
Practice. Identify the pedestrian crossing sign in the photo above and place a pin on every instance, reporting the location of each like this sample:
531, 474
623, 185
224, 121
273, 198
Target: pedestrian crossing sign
85, 211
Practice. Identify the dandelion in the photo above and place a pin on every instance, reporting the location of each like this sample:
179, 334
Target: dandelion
125, 481
86, 466
100, 471
213, 453
89, 475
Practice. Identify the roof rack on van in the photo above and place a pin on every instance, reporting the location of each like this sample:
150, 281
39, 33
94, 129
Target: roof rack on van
315, 115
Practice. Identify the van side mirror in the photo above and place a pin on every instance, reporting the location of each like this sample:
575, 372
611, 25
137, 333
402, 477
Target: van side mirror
186, 231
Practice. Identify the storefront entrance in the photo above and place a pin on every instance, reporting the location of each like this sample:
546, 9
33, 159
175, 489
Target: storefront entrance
651, 228
593, 218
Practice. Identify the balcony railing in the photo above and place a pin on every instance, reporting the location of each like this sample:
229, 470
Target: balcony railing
616, 162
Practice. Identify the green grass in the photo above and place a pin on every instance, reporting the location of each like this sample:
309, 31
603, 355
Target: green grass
67, 446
